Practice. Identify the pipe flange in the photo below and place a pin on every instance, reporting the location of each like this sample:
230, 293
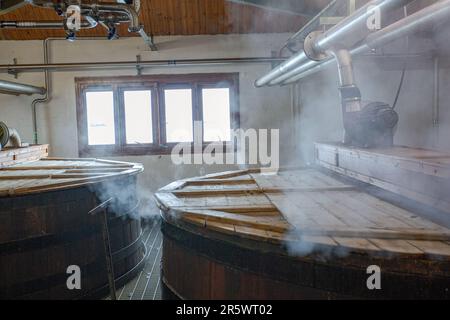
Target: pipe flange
4, 134
308, 47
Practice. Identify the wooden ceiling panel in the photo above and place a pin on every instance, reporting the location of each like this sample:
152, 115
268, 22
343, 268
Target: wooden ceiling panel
171, 17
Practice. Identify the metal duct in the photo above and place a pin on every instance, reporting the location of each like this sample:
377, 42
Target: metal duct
425, 18
19, 88
10, 135
336, 35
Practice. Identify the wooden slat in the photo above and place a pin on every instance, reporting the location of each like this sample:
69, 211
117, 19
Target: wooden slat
398, 246
356, 243
432, 247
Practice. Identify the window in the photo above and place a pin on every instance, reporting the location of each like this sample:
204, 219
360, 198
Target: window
178, 107
216, 114
138, 116
151, 114
100, 117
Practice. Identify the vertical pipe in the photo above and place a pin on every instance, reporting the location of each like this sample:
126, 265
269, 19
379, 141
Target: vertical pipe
47, 95
350, 94
436, 110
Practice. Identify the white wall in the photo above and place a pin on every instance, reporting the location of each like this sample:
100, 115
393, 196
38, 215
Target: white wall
260, 108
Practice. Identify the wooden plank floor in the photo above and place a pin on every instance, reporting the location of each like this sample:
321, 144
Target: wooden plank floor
146, 285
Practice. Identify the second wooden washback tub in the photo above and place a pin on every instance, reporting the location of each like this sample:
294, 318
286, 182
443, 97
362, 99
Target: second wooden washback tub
303, 233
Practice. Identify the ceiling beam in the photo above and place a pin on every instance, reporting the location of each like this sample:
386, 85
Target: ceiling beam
305, 8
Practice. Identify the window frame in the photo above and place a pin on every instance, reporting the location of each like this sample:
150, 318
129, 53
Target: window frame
157, 84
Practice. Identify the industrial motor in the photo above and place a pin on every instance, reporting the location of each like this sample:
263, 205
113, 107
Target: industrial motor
371, 127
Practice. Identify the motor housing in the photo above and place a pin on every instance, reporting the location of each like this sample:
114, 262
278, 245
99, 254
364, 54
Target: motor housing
371, 127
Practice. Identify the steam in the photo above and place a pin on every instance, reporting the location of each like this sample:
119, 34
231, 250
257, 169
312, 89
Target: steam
305, 246
129, 198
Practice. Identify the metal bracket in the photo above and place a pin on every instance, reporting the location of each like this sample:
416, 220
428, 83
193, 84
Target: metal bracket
138, 66
308, 47
12, 71
148, 40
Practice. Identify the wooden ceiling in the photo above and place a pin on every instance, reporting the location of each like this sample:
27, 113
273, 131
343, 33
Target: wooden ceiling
174, 17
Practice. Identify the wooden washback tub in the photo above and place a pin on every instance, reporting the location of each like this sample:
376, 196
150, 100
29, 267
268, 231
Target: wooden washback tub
303, 233
45, 226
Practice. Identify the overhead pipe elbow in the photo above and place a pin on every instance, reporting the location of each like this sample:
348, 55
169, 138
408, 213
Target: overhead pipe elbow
119, 8
350, 94
9, 135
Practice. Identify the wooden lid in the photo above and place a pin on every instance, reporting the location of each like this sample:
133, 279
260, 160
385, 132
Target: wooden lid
302, 205
50, 174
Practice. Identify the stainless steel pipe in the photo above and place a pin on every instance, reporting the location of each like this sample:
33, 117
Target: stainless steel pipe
19, 88
336, 35
47, 96
42, 24
423, 19
133, 64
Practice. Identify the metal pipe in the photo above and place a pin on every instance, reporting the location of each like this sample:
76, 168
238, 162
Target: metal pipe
9, 135
436, 103
19, 88
47, 95
42, 24
336, 35
101, 8
436, 92
350, 95
429, 16
305, 67
345, 67
119, 8
133, 64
